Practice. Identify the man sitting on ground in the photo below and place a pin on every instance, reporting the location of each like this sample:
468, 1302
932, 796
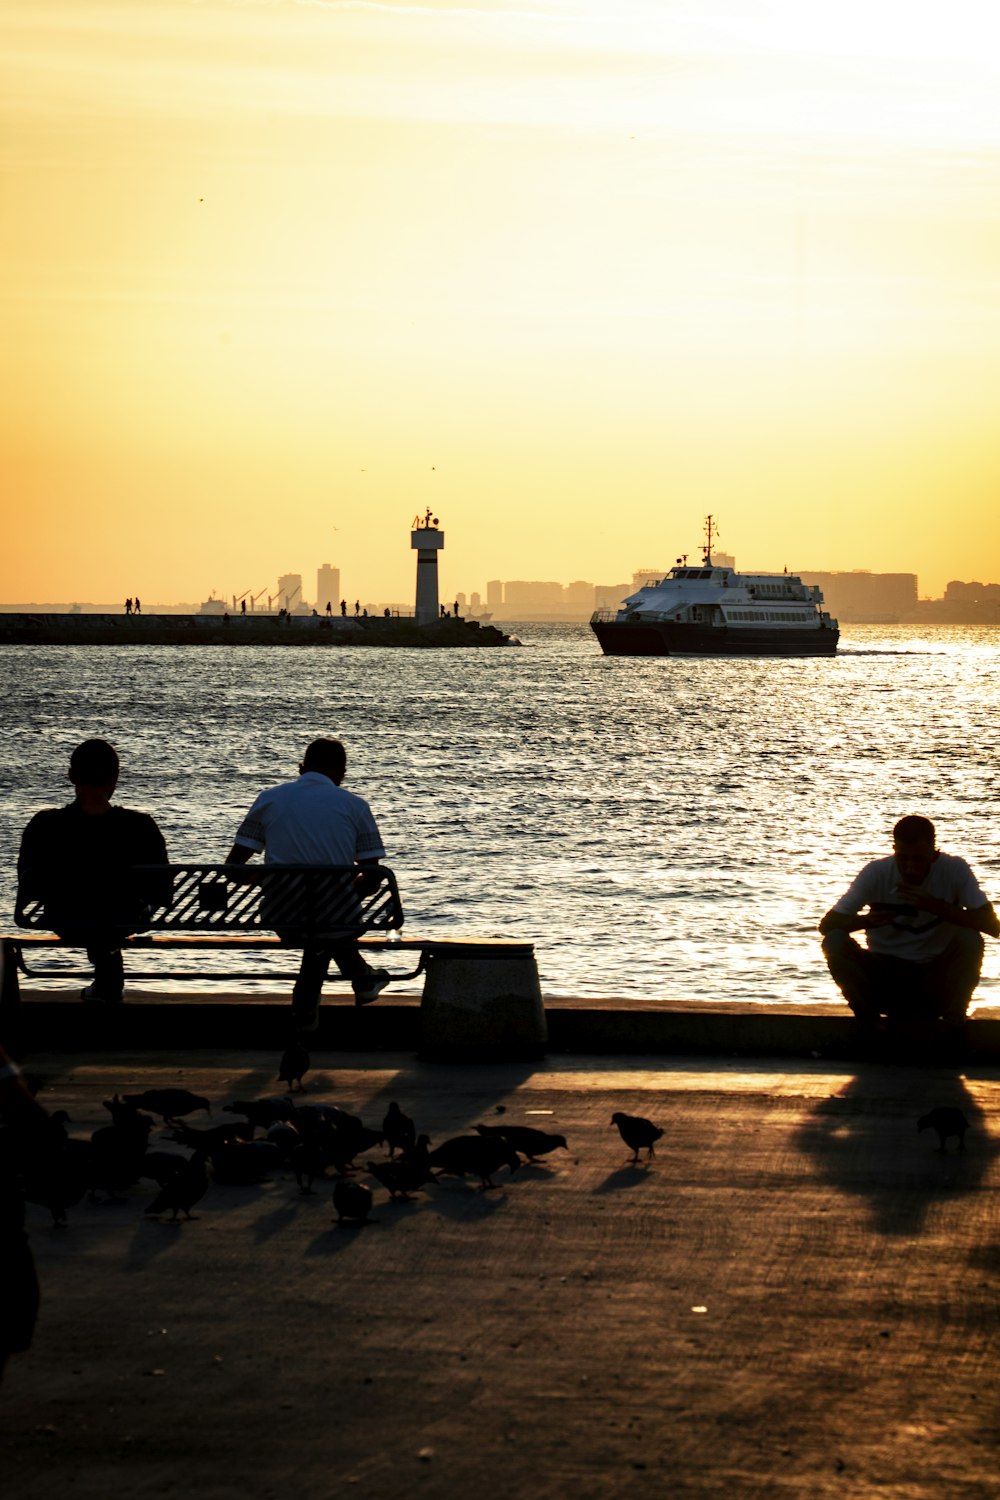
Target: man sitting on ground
924, 914
314, 821
76, 860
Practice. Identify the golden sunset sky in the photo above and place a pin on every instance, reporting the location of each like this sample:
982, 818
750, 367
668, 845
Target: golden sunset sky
281, 273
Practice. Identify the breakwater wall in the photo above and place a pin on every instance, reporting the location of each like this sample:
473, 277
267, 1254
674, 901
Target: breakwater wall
242, 630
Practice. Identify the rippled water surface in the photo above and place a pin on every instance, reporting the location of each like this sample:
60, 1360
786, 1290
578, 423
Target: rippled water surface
669, 828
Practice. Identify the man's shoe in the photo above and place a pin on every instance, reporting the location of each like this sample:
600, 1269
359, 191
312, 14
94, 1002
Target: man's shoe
305, 1015
91, 995
369, 989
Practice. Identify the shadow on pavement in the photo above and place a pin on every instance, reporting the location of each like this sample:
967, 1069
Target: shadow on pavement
865, 1142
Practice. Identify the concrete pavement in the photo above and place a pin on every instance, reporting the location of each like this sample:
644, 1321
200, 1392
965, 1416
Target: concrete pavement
797, 1296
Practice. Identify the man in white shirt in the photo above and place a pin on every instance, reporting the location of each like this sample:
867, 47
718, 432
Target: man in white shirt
924, 918
314, 821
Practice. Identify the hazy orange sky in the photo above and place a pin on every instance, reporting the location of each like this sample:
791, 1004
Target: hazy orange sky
280, 273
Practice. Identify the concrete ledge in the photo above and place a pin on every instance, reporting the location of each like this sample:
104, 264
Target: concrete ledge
194, 1020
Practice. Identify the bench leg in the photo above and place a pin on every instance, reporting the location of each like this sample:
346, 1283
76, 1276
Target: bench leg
10, 997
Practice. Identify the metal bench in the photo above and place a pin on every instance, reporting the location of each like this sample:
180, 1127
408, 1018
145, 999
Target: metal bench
227, 908
479, 995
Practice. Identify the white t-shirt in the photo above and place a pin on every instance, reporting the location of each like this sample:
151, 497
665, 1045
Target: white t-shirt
311, 821
915, 935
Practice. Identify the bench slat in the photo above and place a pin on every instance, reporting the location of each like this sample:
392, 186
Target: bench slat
305, 901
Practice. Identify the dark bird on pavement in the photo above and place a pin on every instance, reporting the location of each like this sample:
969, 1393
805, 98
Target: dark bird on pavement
212, 1137
474, 1155
125, 1114
183, 1190
352, 1200
240, 1163
172, 1104
284, 1136
352, 1134
261, 1112
309, 1160
117, 1150
947, 1121
406, 1174
530, 1142
294, 1065
398, 1129
636, 1133
47, 1166
160, 1166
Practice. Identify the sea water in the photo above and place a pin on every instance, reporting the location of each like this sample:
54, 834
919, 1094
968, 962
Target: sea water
669, 828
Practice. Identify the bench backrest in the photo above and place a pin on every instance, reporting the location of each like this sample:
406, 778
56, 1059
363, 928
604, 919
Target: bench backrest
300, 900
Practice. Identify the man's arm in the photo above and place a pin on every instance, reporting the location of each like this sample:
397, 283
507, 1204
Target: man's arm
239, 854
843, 921
977, 918
36, 861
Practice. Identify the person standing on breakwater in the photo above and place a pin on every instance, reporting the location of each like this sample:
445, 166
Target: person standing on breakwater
924, 923
76, 860
314, 821
128, 606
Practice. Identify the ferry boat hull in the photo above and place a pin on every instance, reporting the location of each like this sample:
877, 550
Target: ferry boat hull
664, 638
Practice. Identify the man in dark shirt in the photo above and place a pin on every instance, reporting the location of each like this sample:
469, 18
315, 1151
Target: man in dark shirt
77, 861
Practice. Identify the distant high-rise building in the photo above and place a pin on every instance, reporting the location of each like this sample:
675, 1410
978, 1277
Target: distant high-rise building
327, 587
859, 596
523, 597
578, 597
494, 594
610, 595
723, 560
460, 601
646, 576
289, 590
475, 603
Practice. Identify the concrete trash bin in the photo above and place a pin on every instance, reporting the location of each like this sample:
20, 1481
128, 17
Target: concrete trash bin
482, 1001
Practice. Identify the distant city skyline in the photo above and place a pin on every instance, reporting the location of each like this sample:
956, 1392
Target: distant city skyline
851, 594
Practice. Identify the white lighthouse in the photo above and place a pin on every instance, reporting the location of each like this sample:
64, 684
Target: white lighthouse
427, 540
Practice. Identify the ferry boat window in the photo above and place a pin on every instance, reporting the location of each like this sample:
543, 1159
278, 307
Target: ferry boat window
706, 573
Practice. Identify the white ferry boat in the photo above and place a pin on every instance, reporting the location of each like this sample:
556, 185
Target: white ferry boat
714, 611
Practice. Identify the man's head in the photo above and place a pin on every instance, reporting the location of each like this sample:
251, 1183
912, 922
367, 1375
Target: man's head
94, 764
913, 848
326, 756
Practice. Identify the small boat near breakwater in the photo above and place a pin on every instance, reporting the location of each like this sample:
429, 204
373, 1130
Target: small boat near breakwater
708, 610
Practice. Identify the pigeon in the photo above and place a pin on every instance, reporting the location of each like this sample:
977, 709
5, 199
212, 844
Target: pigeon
405, 1175
636, 1133
261, 1112
294, 1065
211, 1138
126, 1115
172, 1104
183, 1190
117, 1152
49, 1168
947, 1121
530, 1142
284, 1136
398, 1129
352, 1134
477, 1155
160, 1166
352, 1200
240, 1163
320, 1147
